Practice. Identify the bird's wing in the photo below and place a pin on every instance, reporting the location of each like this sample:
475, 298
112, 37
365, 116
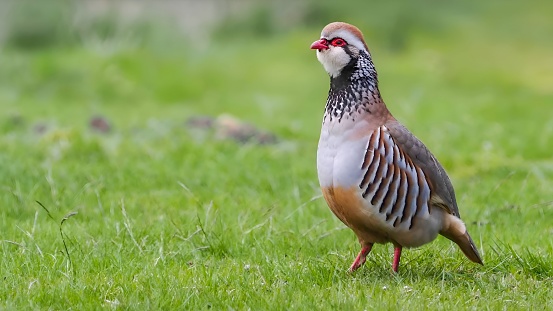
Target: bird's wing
443, 194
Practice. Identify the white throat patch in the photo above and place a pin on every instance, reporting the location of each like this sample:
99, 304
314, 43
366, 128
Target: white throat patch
334, 60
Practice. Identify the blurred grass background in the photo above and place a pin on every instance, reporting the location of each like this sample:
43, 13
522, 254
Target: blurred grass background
249, 58
471, 79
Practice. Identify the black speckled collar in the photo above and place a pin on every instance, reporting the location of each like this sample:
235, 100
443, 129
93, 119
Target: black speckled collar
354, 90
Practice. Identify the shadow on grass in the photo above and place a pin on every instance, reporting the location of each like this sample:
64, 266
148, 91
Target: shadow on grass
427, 265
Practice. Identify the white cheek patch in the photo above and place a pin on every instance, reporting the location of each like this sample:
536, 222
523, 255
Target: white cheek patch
334, 60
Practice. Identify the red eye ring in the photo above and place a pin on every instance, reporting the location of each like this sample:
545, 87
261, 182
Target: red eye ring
338, 42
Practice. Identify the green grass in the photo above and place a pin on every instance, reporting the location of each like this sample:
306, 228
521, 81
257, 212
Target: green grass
169, 218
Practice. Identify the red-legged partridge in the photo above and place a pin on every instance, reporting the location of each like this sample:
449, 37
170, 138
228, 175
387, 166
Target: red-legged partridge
377, 178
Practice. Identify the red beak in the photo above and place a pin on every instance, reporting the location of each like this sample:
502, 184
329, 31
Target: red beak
321, 44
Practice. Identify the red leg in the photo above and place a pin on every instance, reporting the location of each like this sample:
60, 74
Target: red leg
397, 255
361, 257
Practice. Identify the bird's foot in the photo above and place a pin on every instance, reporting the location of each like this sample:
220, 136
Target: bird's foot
361, 258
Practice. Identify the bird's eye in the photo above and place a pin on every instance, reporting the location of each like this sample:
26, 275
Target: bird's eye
338, 42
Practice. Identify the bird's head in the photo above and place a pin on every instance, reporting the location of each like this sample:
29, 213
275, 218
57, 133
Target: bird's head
339, 46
